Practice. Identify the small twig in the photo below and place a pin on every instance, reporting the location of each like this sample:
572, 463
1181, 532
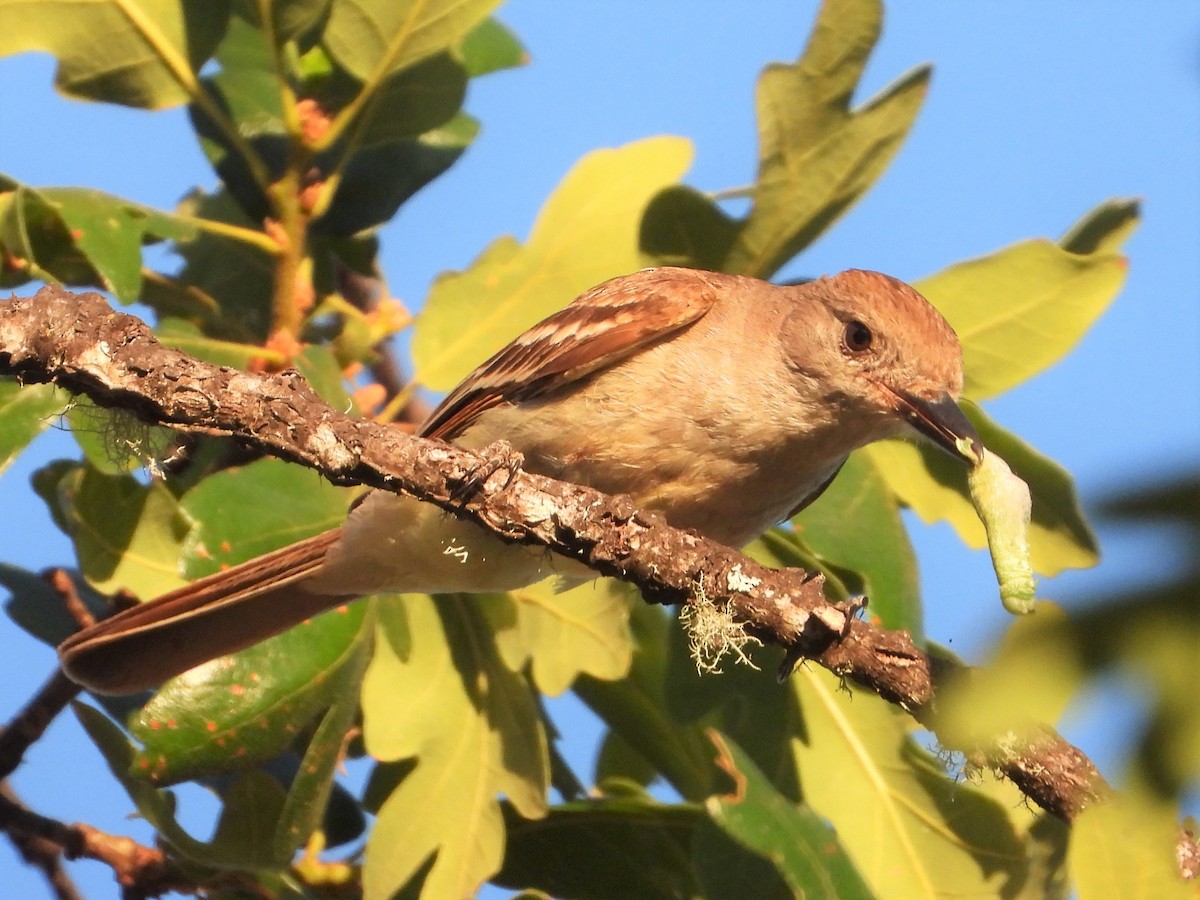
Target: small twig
40, 852
60, 580
32, 720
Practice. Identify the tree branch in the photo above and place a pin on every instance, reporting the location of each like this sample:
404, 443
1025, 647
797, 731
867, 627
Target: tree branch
79, 343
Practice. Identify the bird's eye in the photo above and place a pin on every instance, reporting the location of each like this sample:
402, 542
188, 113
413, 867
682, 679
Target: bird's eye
858, 337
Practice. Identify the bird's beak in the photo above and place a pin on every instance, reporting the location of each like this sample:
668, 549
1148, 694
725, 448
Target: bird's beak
942, 422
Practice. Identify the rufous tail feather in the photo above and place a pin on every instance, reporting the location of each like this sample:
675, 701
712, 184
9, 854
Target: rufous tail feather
142, 647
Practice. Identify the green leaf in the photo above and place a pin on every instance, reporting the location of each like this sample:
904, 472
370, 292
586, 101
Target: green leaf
250, 808
722, 700
449, 701
1121, 849
238, 276
116, 441
25, 412
816, 155
911, 830
1022, 309
855, 529
293, 19
409, 103
490, 47
379, 179
683, 227
1103, 229
243, 512
127, 535
604, 849
586, 232
566, 633
308, 797
803, 848
248, 707
244, 92
523, 767
182, 335
934, 485
142, 53
79, 236
371, 39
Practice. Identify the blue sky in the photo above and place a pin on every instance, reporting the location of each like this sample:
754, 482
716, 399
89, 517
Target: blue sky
1037, 112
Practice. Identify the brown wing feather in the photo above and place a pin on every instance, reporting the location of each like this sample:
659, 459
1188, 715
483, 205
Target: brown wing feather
600, 328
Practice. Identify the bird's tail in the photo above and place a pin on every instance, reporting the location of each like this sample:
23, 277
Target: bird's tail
222, 613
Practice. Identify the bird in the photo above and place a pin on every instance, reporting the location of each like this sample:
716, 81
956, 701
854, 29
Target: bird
724, 402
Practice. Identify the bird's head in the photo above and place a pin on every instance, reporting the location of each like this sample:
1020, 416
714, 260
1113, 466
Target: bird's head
883, 355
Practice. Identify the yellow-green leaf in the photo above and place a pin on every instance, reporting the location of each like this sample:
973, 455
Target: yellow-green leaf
816, 155
1021, 309
565, 633
1122, 848
26, 411
438, 691
373, 38
142, 53
586, 232
127, 535
445, 806
1031, 678
911, 830
934, 485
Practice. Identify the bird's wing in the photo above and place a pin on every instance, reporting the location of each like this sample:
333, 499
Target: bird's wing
602, 327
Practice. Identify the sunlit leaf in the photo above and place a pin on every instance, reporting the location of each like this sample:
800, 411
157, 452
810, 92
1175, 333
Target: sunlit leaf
79, 236
127, 535
142, 53
1022, 309
911, 830
587, 231
565, 633
25, 412
934, 485
373, 38
443, 710
1120, 849
816, 155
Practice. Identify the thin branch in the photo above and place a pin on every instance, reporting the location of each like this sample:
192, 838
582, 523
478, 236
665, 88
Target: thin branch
79, 343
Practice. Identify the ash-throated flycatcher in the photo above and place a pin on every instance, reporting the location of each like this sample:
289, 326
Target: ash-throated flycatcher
724, 402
